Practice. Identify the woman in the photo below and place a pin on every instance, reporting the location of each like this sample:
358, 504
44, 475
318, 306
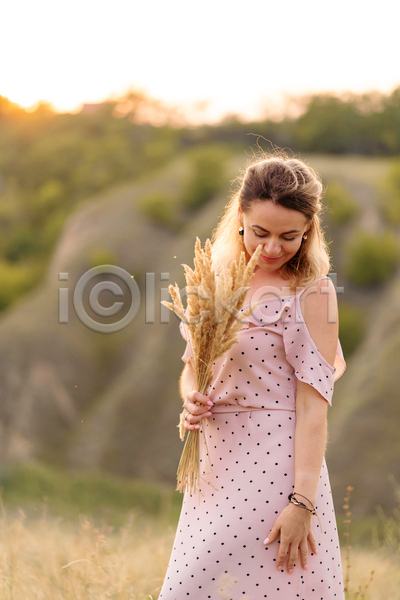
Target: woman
264, 524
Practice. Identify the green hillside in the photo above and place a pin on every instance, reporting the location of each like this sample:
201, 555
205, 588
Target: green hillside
81, 399
79, 191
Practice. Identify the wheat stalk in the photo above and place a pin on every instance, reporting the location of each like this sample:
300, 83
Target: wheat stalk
213, 318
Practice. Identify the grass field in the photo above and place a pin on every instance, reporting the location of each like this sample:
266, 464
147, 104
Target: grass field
59, 559
83, 537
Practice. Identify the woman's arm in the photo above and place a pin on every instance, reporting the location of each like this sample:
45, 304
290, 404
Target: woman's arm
186, 381
294, 523
320, 311
310, 440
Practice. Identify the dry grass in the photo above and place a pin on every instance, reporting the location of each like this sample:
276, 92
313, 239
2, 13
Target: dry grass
386, 579
372, 574
56, 559
52, 558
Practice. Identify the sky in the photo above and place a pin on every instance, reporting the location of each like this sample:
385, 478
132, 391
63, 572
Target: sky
211, 58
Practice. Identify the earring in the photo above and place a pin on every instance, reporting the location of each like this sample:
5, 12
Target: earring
304, 237
241, 231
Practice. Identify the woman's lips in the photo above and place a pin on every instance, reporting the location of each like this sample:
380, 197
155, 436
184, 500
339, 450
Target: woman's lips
271, 260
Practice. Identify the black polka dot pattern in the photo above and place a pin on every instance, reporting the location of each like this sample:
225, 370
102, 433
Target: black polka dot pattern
248, 474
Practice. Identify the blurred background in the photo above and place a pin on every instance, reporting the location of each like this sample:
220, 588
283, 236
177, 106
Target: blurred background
122, 131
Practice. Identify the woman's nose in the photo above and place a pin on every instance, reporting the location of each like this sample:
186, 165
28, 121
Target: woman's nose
272, 248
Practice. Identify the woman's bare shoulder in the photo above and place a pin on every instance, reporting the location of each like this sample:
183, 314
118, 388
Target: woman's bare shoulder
319, 308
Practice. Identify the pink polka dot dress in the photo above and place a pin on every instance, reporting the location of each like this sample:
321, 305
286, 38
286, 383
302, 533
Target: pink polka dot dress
218, 552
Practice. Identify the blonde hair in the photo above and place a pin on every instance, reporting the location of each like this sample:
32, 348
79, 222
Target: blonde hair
289, 182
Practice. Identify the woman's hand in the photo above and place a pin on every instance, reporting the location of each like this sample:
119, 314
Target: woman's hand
196, 407
294, 525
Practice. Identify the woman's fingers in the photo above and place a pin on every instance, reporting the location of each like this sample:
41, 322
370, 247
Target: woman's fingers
293, 556
282, 554
313, 543
304, 553
199, 400
294, 529
192, 421
197, 404
197, 407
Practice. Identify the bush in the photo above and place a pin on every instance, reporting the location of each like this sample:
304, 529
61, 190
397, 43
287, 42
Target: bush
96, 493
372, 258
16, 280
393, 176
23, 243
391, 524
53, 227
160, 207
208, 171
50, 194
102, 256
389, 194
390, 205
342, 204
351, 327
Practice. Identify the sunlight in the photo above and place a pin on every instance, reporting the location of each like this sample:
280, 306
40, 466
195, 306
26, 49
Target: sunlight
225, 57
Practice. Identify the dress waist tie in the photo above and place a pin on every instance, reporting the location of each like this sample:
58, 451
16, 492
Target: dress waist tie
232, 408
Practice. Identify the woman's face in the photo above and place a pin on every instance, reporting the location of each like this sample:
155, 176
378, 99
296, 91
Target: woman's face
279, 229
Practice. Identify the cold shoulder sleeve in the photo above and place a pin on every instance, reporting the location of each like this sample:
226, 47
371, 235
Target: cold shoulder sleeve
303, 355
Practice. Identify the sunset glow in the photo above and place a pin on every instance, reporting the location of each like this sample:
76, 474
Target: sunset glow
212, 58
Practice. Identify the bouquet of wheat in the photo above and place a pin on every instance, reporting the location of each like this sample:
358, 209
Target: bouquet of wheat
213, 319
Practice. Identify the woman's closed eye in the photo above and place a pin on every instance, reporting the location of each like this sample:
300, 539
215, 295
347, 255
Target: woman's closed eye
286, 239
